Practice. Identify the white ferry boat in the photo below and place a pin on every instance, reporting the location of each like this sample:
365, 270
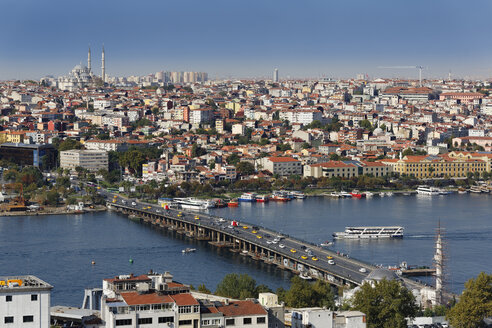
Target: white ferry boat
297, 194
426, 190
369, 233
194, 204
247, 197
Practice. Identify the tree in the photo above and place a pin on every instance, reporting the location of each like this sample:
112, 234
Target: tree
69, 144
305, 294
52, 197
233, 159
238, 286
386, 304
475, 303
203, 289
245, 168
366, 124
197, 151
407, 152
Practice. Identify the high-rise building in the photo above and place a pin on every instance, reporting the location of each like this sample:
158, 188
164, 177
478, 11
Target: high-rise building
275, 75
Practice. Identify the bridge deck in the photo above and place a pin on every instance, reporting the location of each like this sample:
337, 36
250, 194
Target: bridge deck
249, 239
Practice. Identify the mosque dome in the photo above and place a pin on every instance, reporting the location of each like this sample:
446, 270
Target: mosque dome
378, 131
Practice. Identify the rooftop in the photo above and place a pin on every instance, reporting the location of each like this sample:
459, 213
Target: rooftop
21, 283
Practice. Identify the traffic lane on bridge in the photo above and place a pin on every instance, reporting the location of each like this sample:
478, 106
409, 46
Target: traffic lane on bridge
340, 268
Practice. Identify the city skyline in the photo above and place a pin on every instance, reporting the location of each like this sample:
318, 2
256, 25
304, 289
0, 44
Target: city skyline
308, 40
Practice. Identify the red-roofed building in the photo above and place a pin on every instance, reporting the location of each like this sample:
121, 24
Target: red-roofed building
283, 166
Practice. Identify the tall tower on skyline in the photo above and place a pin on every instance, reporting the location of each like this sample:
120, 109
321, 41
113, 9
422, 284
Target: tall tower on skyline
275, 75
439, 264
89, 59
103, 73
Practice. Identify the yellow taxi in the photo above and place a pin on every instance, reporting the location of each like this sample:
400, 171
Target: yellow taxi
254, 231
304, 257
293, 250
180, 214
314, 258
329, 257
197, 218
258, 236
245, 227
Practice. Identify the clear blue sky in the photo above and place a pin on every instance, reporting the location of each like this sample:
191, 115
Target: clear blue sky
247, 38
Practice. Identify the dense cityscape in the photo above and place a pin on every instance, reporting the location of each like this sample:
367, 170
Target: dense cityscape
232, 164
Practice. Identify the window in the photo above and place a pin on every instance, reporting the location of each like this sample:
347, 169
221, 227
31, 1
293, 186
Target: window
247, 321
8, 320
230, 322
34, 297
184, 322
124, 322
144, 321
166, 319
260, 320
8, 298
28, 318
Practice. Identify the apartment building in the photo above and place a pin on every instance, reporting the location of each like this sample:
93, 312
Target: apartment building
283, 166
427, 166
346, 169
91, 160
24, 302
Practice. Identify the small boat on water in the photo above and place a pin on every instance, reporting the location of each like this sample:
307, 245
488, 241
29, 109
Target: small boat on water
462, 191
429, 191
475, 189
345, 194
297, 194
188, 250
262, 199
335, 194
305, 276
233, 203
369, 194
220, 203
248, 197
357, 194
280, 196
326, 244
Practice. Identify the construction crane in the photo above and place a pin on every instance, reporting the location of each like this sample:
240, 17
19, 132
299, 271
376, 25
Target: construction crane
15, 204
420, 68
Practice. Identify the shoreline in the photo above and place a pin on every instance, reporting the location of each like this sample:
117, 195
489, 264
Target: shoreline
54, 211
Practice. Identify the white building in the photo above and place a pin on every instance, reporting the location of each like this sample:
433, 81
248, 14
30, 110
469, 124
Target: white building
301, 116
24, 302
201, 115
92, 160
283, 166
326, 318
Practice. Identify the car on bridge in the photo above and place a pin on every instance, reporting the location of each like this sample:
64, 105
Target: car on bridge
293, 250
331, 262
281, 245
304, 257
314, 258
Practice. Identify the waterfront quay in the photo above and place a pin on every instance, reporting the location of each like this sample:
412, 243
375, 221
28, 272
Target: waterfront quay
252, 240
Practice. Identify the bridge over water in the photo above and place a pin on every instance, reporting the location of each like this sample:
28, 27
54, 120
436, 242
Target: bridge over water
250, 240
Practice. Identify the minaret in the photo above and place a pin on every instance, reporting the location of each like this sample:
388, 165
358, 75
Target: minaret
103, 75
89, 60
439, 264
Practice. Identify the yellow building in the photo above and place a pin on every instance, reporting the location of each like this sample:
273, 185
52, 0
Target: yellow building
235, 106
449, 165
12, 136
